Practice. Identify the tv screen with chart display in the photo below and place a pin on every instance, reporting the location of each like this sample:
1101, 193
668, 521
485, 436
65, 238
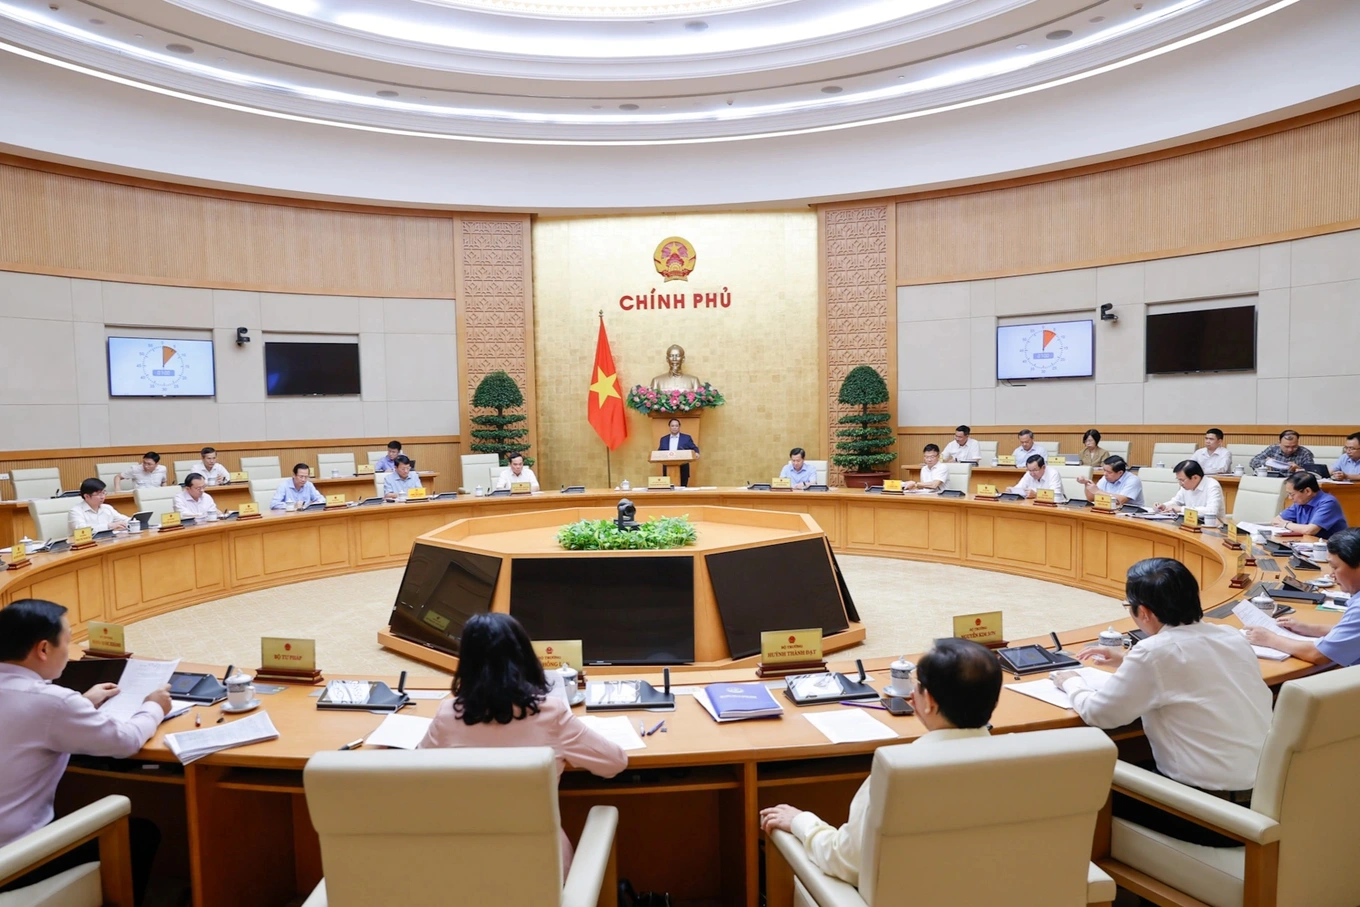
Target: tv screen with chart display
156, 367
1050, 349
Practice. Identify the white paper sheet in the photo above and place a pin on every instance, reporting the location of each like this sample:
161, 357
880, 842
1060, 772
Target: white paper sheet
619, 729
850, 726
190, 746
434, 695
179, 707
1269, 654
1047, 691
1252, 616
139, 678
402, 732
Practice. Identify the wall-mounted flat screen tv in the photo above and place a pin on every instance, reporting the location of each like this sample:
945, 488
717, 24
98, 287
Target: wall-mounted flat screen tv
155, 367
311, 369
1205, 340
1050, 349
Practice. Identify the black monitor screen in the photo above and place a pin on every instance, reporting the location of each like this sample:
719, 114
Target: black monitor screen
775, 587
625, 610
310, 369
1206, 340
441, 589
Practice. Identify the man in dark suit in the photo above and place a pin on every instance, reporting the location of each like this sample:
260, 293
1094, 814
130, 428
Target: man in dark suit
678, 441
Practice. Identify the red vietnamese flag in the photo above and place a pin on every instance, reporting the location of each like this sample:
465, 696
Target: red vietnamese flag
605, 401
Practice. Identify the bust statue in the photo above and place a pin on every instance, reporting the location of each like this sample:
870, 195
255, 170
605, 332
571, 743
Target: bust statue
675, 380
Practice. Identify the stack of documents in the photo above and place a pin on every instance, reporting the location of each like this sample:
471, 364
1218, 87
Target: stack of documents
190, 746
1047, 691
1251, 616
737, 701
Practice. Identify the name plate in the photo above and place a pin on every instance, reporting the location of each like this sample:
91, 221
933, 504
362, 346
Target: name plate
364, 470
987, 491
106, 638
170, 520
18, 556
1191, 517
1232, 529
417, 494
82, 536
554, 653
790, 646
659, 482
777, 482
240, 477
280, 653
1044, 496
521, 488
983, 627
1242, 562
1006, 460
1104, 501
250, 508
335, 500
892, 486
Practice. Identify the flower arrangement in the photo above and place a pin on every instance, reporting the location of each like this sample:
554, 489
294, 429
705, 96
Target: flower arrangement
647, 400
603, 535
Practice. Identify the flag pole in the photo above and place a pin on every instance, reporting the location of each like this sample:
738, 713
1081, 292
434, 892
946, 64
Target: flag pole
608, 464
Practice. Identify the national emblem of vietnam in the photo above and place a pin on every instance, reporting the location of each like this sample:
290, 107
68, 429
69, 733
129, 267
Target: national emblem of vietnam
674, 258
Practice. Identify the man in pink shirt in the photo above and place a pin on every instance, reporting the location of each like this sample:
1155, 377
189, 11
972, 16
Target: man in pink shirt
42, 724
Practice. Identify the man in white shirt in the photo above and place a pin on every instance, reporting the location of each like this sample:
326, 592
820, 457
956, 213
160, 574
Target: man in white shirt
1198, 492
1027, 448
1213, 456
150, 474
957, 686
1038, 474
403, 479
213, 472
962, 447
1197, 686
517, 472
934, 474
92, 511
193, 501
1118, 482
298, 491
41, 724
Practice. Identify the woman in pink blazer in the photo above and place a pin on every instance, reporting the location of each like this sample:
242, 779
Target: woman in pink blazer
500, 698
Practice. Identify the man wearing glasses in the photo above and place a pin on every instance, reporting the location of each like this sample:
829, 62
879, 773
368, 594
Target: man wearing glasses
92, 511
1198, 492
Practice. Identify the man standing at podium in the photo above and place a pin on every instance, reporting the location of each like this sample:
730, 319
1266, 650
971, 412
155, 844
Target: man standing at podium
676, 440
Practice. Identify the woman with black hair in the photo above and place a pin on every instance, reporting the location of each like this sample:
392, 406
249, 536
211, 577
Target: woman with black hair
500, 698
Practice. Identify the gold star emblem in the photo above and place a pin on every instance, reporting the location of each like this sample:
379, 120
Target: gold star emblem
605, 386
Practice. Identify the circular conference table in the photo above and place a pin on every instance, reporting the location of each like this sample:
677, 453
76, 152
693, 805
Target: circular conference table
236, 823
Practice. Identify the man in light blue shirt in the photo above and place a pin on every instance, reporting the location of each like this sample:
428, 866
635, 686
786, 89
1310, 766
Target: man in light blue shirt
1341, 643
1027, 448
389, 462
1118, 483
396, 484
298, 491
797, 470
1313, 511
1347, 469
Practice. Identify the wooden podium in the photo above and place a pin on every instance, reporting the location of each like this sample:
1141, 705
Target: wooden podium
672, 460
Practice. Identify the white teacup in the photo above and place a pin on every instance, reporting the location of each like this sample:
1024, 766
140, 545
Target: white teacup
1265, 604
289, 506
1319, 551
1261, 470
240, 691
211, 516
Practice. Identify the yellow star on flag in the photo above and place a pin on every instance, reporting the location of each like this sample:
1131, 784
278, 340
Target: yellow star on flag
605, 386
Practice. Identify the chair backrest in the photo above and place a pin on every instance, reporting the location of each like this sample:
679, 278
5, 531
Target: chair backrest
480, 469
159, 501
1027, 801
1326, 453
49, 516
343, 462
30, 484
1050, 446
107, 472
1116, 448
400, 827
1159, 485
1170, 452
1314, 742
375, 455
986, 452
1243, 459
262, 491
182, 470
820, 466
1071, 487
261, 467
1259, 499
960, 475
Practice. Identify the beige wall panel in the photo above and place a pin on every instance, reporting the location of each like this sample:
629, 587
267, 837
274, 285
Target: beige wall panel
168, 573
762, 351
1095, 561
981, 535
1060, 547
1021, 540
944, 532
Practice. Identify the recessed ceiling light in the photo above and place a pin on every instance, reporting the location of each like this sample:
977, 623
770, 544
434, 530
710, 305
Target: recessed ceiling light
595, 106
628, 107
387, 93
696, 25
179, 48
96, 21
901, 78
1021, 46
138, 37
1097, 18
832, 89
1059, 35
53, 6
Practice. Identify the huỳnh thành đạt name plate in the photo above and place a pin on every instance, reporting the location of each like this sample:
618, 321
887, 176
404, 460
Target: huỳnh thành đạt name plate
106, 640
288, 660
983, 627
784, 652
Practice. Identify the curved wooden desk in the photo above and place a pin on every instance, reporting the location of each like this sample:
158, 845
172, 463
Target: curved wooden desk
237, 822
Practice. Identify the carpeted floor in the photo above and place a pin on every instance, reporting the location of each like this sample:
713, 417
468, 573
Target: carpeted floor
904, 605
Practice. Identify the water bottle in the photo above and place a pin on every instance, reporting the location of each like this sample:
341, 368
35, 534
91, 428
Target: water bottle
624, 485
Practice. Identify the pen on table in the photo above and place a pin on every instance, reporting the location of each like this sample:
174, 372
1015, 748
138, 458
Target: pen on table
656, 728
353, 744
221, 717
863, 705
198, 720
642, 729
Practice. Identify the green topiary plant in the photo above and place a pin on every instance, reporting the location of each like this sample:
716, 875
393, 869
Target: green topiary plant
604, 535
865, 445
499, 391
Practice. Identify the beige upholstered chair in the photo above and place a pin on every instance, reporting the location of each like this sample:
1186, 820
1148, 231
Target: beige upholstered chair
986, 452
1023, 804
107, 472
480, 469
1243, 459
182, 470
1071, 487
1051, 446
960, 477
262, 491
1299, 834
49, 516
36, 483
1259, 499
820, 466
341, 462
422, 828
1159, 485
1170, 452
159, 501
261, 467
1116, 448
107, 881
375, 455
1326, 454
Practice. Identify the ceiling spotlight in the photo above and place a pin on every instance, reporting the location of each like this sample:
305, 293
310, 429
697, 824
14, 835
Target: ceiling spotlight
696, 25
387, 93
628, 107
832, 89
1021, 46
179, 48
1059, 35
138, 37
53, 7
729, 102
595, 106
96, 21
1097, 18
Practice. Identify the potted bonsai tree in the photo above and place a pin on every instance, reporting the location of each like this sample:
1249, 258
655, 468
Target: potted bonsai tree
863, 448
495, 435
